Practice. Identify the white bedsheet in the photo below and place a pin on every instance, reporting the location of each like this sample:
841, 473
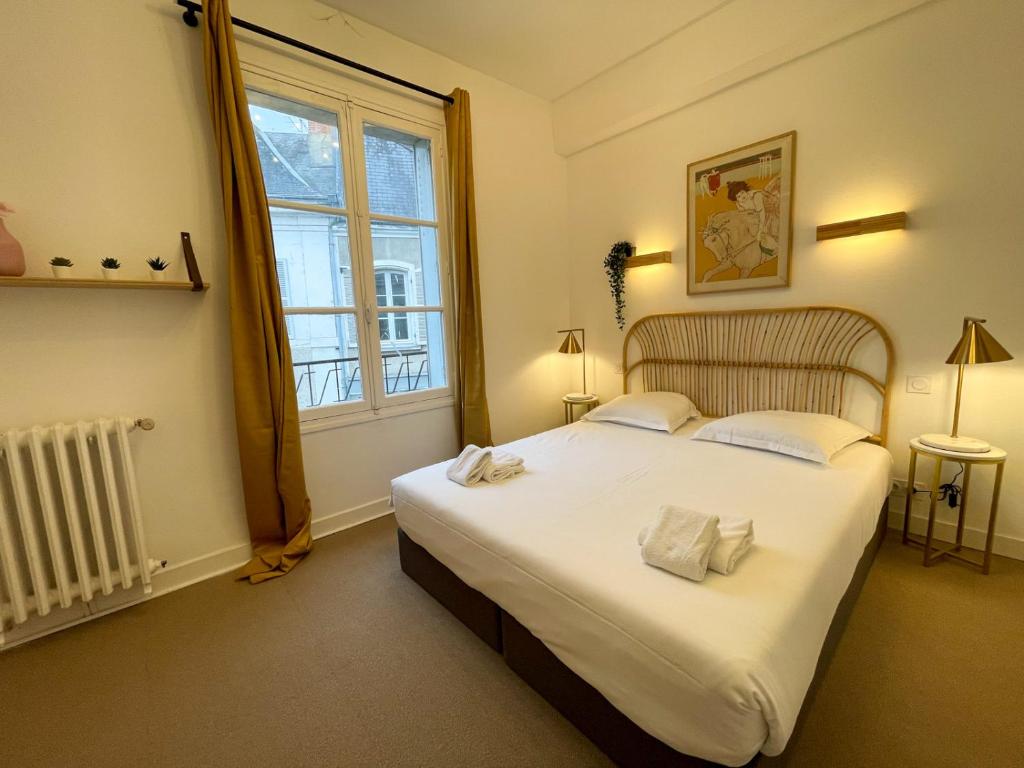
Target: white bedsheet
716, 669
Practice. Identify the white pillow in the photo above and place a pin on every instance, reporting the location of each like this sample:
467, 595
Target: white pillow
666, 411
813, 436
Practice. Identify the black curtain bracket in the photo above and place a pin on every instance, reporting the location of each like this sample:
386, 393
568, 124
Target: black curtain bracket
190, 18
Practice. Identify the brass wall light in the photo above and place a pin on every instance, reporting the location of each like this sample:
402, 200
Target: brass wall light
865, 226
646, 259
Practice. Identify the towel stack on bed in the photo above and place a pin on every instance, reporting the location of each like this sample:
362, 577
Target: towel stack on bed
688, 543
475, 464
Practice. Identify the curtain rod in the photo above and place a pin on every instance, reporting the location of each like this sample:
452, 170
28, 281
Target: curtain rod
189, 17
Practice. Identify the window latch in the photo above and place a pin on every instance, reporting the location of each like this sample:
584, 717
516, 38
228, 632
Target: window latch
366, 314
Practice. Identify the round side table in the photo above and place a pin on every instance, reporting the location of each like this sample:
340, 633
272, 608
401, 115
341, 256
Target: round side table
568, 403
995, 457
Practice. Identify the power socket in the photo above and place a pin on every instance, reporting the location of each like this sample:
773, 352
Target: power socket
900, 484
919, 385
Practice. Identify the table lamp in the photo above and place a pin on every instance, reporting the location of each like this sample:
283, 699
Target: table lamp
570, 346
976, 345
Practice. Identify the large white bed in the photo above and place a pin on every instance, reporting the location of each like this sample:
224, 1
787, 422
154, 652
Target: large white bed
717, 669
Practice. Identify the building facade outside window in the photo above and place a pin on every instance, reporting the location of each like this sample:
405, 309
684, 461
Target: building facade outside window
355, 212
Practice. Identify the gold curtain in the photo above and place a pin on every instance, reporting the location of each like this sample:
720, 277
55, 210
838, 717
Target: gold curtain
473, 420
276, 503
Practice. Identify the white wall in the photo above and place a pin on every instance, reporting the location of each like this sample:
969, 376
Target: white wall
105, 149
919, 114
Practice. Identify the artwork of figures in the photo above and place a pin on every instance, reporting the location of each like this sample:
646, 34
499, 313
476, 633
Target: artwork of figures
738, 217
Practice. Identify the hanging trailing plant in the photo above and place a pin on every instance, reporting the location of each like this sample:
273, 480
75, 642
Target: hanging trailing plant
615, 268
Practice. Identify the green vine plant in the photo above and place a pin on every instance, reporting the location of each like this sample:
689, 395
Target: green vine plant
615, 268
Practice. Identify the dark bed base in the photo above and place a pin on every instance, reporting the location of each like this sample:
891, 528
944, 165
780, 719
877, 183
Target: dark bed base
580, 703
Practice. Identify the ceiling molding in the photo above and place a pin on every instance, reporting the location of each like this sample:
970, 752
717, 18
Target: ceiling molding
750, 37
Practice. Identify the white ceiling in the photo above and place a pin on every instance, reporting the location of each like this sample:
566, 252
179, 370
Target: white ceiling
544, 47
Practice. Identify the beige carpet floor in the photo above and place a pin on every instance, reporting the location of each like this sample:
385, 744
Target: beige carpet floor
346, 662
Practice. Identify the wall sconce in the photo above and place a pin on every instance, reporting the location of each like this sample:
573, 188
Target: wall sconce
866, 226
644, 260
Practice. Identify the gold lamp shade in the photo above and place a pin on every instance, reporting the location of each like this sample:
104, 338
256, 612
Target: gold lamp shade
570, 346
976, 346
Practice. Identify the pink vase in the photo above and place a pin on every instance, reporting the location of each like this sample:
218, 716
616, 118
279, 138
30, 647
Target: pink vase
12, 257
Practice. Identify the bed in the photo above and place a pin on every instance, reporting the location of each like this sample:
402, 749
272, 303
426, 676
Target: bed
655, 669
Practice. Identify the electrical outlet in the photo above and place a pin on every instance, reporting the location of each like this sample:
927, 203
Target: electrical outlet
919, 385
900, 484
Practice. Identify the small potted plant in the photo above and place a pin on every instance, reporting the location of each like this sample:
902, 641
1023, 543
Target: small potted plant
158, 268
61, 266
110, 266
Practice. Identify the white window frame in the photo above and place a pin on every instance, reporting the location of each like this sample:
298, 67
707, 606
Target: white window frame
352, 112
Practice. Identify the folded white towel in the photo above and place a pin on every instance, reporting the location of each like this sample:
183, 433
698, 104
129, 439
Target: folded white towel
503, 466
735, 538
469, 467
680, 541
736, 535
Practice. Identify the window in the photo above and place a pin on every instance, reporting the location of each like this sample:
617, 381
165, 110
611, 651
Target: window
392, 287
354, 209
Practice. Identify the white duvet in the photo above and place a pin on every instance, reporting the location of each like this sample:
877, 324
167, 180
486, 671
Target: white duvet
716, 669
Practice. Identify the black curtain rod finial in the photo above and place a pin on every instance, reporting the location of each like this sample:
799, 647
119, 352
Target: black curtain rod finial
190, 18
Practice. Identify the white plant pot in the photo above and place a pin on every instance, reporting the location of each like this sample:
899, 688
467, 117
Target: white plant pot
60, 272
110, 274
158, 275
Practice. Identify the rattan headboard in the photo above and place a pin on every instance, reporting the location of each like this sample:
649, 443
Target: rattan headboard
794, 358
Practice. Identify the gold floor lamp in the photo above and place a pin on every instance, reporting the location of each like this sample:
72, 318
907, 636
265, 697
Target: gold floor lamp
976, 345
573, 347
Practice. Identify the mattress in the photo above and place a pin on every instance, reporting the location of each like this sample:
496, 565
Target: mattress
717, 669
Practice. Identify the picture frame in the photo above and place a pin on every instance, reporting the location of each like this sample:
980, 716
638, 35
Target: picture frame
739, 217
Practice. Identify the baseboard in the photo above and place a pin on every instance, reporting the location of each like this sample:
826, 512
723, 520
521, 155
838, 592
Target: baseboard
347, 518
974, 538
180, 575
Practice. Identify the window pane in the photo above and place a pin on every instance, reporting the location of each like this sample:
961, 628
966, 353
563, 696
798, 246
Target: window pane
410, 251
414, 360
398, 175
299, 150
325, 356
314, 263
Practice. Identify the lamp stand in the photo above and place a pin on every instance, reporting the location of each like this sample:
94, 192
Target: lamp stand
953, 442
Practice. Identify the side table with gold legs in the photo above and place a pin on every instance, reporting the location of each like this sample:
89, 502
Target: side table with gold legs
932, 553
569, 401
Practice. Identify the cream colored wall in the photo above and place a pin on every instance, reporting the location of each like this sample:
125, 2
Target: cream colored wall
920, 113
105, 150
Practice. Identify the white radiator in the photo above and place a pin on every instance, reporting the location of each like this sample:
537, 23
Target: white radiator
70, 520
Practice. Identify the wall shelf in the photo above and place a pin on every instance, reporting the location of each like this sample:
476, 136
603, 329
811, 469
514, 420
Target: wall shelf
195, 279
646, 259
70, 282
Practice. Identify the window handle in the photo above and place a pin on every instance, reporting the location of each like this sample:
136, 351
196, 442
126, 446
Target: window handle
366, 314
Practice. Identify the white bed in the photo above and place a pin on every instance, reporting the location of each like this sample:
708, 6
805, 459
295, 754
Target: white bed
716, 669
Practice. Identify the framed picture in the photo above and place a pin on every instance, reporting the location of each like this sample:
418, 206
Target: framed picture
739, 217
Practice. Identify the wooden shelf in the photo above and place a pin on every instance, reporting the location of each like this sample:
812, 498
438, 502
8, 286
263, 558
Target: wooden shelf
70, 282
646, 259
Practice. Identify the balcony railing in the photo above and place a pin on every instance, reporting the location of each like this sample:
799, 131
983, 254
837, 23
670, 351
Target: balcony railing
338, 379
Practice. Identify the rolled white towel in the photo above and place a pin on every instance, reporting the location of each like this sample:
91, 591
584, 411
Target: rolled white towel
680, 541
736, 536
469, 467
502, 466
